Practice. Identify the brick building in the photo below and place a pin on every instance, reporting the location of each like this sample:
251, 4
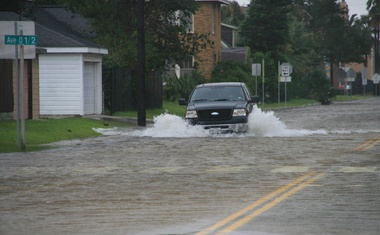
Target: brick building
208, 20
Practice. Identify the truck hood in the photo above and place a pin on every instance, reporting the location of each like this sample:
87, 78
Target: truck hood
216, 105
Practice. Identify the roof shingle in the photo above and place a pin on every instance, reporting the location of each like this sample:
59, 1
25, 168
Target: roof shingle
57, 27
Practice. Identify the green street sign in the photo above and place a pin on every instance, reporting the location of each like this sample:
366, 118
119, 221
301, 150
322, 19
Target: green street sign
20, 39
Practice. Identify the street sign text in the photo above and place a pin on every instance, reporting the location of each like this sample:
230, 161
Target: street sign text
20, 39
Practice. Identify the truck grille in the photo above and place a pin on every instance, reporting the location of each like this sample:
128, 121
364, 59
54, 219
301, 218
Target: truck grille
214, 114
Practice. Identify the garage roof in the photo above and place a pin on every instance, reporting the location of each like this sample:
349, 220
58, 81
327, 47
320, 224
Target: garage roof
58, 28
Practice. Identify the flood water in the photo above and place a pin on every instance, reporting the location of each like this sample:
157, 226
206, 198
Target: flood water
261, 124
172, 178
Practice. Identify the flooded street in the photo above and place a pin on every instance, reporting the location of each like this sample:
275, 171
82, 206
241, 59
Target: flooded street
308, 170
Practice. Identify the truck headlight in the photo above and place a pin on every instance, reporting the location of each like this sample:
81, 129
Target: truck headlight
191, 114
239, 112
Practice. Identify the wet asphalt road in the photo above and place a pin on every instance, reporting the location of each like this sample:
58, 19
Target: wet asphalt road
124, 184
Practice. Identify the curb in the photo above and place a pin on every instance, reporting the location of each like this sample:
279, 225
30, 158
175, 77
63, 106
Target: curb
129, 120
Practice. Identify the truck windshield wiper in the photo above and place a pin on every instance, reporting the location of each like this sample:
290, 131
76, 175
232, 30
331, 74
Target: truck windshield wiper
199, 100
222, 100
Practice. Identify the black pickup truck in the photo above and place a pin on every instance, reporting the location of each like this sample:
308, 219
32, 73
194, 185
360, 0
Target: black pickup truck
221, 107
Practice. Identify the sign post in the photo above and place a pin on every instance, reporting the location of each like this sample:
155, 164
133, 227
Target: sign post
20, 40
364, 79
18, 141
286, 70
256, 71
376, 79
263, 86
22, 103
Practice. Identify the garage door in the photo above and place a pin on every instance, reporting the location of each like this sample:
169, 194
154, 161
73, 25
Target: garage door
89, 88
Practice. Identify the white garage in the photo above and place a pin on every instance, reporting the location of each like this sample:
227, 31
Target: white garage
70, 84
65, 78
70, 69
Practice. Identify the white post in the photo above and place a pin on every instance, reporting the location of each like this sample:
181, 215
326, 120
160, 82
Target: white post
286, 81
256, 79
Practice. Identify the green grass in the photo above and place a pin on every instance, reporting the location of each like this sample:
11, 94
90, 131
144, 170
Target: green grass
43, 131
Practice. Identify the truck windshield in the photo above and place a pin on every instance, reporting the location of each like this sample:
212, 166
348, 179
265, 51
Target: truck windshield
218, 93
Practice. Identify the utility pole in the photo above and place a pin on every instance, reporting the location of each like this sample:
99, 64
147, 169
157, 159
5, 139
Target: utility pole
141, 114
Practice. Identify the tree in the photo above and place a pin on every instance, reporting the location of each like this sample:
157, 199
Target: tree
338, 38
305, 33
301, 54
327, 22
265, 29
300, 50
359, 40
168, 39
231, 14
16, 6
265, 32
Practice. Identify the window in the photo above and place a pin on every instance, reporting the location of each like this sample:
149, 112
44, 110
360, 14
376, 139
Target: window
188, 63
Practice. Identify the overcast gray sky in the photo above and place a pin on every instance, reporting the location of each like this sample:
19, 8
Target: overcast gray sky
355, 6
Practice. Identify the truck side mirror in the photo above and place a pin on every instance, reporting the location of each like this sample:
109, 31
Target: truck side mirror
255, 99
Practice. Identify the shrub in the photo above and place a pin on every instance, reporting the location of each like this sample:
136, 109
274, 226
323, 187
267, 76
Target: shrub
231, 71
175, 88
320, 87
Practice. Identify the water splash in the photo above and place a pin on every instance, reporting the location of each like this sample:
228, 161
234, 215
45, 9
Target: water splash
265, 123
169, 125
261, 123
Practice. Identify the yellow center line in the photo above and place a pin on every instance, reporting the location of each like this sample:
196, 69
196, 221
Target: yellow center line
269, 205
368, 144
373, 144
254, 205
